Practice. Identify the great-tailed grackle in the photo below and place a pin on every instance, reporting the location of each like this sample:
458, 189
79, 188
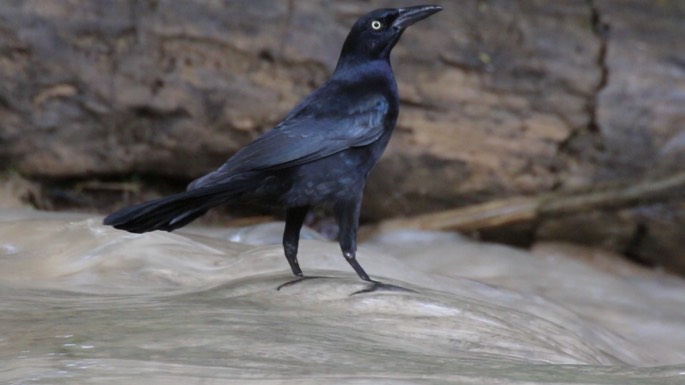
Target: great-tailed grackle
319, 155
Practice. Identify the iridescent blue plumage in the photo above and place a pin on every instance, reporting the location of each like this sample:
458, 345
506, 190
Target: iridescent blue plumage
319, 155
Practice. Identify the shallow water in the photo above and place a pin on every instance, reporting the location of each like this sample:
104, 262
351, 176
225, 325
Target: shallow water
82, 303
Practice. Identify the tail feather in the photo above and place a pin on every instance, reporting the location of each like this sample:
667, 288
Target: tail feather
172, 212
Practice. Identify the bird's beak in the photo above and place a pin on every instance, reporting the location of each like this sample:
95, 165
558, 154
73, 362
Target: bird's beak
411, 15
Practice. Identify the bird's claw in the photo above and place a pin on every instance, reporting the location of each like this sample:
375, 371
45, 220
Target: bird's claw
296, 280
377, 285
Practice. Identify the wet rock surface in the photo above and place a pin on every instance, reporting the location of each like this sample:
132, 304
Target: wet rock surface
86, 303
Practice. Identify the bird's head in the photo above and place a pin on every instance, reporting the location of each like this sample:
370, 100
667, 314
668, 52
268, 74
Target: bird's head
374, 35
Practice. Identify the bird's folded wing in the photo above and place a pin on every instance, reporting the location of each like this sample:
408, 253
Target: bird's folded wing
305, 137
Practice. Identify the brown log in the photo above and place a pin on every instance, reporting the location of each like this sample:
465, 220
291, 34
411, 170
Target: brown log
515, 210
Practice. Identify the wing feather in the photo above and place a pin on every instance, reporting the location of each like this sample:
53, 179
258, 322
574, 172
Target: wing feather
314, 131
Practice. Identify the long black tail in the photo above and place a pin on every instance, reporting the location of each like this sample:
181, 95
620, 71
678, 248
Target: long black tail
175, 211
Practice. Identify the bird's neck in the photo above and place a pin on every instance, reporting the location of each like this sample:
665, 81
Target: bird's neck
354, 70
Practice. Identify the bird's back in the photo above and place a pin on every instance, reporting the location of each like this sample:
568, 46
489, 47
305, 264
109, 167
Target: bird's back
326, 145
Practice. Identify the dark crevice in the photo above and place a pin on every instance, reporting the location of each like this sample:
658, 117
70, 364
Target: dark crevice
579, 139
151, 113
632, 250
5, 102
601, 30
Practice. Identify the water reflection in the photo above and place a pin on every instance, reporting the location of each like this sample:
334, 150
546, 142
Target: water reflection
86, 304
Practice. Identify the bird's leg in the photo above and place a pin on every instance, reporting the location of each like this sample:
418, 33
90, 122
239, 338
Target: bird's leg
294, 219
347, 214
348, 221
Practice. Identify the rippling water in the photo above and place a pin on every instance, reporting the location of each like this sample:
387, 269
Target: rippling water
86, 304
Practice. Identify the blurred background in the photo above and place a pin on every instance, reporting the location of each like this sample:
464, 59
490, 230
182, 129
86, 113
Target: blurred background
521, 121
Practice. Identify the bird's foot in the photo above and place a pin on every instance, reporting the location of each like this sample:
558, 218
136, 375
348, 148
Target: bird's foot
380, 286
296, 280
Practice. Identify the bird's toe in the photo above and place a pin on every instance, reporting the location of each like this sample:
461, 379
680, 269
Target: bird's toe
297, 280
380, 286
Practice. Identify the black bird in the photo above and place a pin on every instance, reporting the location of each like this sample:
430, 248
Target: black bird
319, 155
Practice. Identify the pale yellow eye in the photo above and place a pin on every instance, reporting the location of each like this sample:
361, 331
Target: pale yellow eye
376, 25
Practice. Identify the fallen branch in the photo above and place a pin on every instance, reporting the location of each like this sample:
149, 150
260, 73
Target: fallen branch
525, 209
